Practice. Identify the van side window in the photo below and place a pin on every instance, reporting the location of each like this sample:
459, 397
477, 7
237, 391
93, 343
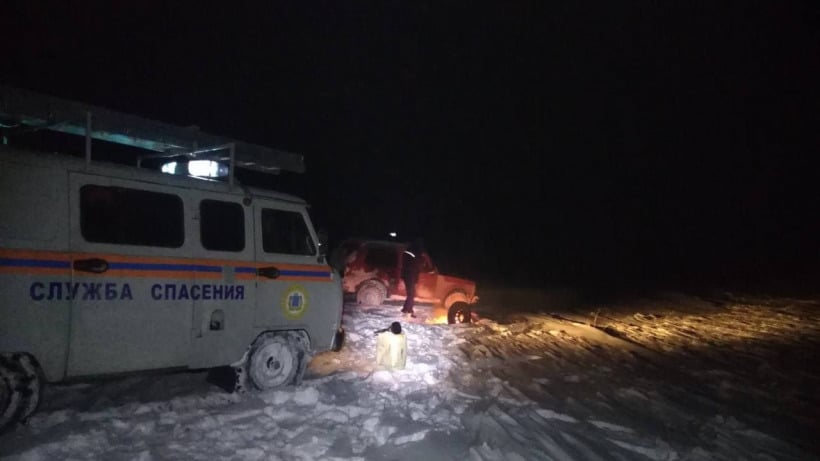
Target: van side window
285, 232
221, 225
131, 217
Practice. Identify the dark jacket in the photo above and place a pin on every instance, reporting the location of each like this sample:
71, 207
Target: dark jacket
411, 262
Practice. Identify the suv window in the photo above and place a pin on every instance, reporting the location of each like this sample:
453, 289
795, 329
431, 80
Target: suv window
427, 263
381, 256
285, 232
221, 225
131, 217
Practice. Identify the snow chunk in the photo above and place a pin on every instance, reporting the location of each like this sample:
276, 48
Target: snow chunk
168, 418
381, 434
415, 437
304, 396
549, 414
486, 453
279, 414
662, 453
238, 416
143, 429
610, 426
276, 397
336, 416
307, 396
250, 453
350, 336
143, 409
119, 424
383, 376
144, 455
50, 419
98, 416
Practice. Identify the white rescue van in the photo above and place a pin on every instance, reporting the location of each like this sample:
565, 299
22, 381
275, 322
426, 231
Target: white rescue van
107, 268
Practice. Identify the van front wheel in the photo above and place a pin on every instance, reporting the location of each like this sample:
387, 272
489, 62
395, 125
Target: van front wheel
273, 362
9, 399
21, 388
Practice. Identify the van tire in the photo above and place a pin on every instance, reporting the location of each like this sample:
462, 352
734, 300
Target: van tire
301, 344
21, 388
459, 312
371, 293
32, 381
10, 404
273, 362
338, 340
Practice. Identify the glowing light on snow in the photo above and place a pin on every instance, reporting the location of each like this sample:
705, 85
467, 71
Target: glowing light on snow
450, 381
437, 319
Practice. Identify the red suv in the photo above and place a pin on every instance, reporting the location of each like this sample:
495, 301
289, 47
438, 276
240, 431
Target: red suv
371, 270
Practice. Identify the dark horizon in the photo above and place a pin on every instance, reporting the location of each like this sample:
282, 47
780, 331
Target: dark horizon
535, 144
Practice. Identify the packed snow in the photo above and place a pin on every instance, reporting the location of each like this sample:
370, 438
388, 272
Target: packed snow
671, 378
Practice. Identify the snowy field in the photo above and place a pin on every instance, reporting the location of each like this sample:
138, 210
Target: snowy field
671, 378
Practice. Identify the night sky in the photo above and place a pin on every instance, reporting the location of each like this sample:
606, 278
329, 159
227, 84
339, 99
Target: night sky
537, 143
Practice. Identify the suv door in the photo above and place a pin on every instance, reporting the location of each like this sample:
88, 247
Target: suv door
426, 288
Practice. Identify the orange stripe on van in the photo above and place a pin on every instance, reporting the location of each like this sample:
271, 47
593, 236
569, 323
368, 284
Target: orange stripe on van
59, 263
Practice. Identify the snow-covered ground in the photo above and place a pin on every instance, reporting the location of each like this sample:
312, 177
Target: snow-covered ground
662, 379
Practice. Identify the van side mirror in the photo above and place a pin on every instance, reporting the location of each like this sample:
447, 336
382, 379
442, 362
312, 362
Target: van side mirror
323, 239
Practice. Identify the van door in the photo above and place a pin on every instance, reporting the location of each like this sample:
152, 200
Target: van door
225, 298
294, 290
131, 304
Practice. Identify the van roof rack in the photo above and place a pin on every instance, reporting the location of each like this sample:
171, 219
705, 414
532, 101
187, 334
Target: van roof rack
29, 109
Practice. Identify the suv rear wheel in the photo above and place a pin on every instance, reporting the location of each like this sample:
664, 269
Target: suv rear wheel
459, 312
371, 293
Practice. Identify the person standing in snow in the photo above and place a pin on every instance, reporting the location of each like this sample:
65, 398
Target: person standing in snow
410, 269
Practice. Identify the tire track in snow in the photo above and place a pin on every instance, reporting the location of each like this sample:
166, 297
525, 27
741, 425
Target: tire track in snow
650, 424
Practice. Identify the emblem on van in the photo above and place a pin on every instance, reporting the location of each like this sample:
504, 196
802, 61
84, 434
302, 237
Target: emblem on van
294, 302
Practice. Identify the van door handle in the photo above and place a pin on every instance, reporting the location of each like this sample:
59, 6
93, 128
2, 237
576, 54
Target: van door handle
94, 265
269, 272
